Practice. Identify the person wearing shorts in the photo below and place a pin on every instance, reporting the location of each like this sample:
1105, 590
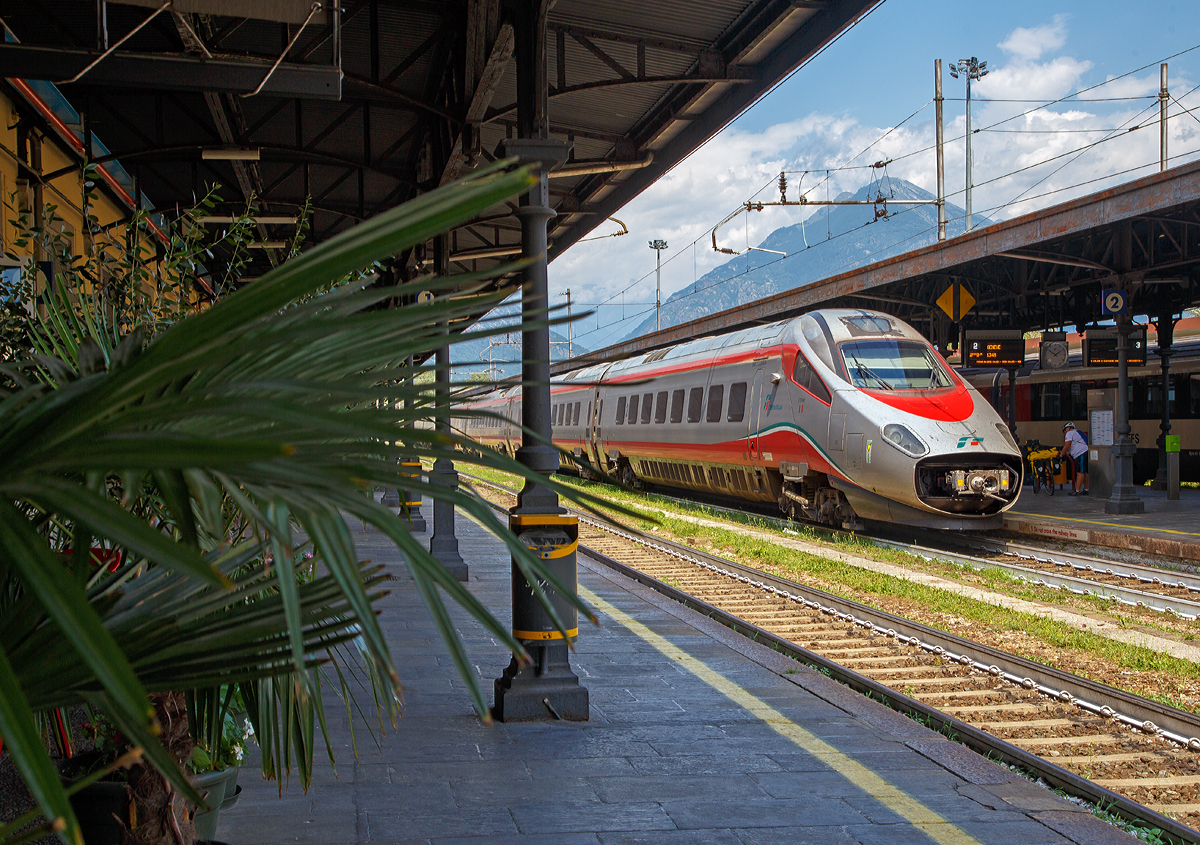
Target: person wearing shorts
1076, 449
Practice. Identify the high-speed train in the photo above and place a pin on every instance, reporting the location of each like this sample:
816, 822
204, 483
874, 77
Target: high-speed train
838, 415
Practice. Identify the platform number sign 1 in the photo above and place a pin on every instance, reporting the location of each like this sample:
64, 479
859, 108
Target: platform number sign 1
424, 297
1113, 302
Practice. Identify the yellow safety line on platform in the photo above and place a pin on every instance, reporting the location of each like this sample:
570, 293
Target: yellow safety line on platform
1109, 524
935, 826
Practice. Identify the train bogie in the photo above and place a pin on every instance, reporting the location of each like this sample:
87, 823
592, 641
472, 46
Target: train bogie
837, 416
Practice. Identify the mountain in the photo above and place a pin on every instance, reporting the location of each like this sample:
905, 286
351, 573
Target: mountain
831, 241
469, 359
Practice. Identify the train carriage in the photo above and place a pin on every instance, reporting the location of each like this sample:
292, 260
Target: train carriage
837, 416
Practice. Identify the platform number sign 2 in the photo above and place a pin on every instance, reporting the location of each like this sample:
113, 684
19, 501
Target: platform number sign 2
1113, 302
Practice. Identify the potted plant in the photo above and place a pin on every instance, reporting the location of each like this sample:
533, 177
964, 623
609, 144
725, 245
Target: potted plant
214, 453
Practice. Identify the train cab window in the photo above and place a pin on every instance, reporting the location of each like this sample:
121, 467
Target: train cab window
621, 411
737, 401
633, 408
804, 376
677, 406
660, 407
893, 365
575, 420
695, 404
716, 396
647, 407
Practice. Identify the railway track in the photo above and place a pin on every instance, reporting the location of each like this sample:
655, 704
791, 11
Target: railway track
1136, 757
1131, 584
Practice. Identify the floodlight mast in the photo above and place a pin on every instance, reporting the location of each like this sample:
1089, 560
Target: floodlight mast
658, 246
971, 68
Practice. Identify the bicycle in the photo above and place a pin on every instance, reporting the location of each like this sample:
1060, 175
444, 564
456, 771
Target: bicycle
1044, 464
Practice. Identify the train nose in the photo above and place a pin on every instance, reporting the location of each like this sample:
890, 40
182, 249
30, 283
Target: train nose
980, 483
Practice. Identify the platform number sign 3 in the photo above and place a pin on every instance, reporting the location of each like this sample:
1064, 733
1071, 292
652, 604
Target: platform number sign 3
1113, 302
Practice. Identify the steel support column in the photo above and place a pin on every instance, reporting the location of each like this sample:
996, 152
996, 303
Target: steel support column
545, 688
1166, 331
443, 545
1124, 498
410, 496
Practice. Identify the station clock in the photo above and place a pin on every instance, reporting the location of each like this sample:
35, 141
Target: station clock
1053, 350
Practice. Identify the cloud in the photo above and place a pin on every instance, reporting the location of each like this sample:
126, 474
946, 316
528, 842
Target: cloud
1029, 44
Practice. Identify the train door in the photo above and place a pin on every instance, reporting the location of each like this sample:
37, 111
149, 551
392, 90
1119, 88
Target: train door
593, 435
752, 418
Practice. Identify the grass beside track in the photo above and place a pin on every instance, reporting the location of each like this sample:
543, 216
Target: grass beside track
1045, 640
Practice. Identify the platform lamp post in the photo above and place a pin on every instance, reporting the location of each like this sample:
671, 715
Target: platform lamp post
545, 688
570, 327
971, 68
658, 246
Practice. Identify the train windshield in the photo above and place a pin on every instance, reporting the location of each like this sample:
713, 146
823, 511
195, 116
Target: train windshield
893, 365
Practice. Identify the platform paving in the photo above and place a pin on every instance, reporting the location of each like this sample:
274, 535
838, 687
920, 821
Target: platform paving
1168, 527
696, 735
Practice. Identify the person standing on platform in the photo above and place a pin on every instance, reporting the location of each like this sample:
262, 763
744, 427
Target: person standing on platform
1076, 448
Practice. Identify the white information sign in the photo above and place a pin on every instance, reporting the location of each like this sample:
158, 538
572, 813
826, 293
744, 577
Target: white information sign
1100, 432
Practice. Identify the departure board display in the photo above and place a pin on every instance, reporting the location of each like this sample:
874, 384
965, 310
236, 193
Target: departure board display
995, 348
1100, 347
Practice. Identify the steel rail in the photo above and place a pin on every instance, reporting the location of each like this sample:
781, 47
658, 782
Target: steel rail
1123, 569
1184, 608
1188, 609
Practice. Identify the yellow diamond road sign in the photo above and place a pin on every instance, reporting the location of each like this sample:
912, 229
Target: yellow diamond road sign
965, 301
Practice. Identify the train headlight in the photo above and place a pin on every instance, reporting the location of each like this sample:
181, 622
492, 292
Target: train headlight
904, 440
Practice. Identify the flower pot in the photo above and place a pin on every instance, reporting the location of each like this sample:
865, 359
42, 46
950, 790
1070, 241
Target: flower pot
233, 792
103, 812
212, 786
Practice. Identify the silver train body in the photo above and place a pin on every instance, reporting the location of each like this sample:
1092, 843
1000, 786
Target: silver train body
837, 416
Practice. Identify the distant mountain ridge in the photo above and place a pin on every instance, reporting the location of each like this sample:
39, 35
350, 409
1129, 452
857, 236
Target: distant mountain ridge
831, 241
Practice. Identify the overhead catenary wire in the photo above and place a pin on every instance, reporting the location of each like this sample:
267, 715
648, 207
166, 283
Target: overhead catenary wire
1042, 104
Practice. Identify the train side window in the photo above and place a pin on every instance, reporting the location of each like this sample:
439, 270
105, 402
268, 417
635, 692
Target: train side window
716, 396
804, 376
677, 405
553, 412
647, 407
660, 407
575, 421
621, 411
588, 421
695, 404
737, 401
633, 408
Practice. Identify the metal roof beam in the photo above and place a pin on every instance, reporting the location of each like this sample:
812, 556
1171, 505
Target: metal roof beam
170, 72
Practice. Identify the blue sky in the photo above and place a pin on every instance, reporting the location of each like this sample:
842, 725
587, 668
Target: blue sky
874, 77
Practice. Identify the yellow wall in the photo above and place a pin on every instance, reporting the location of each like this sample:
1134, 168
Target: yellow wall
65, 192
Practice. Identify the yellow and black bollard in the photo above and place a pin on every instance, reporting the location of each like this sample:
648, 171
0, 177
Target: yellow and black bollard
546, 687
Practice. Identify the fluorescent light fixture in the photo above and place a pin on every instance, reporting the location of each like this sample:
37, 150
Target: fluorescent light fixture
267, 245
230, 154
269, 220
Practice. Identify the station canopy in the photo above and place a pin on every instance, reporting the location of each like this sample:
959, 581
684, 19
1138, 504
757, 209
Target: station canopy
358, 108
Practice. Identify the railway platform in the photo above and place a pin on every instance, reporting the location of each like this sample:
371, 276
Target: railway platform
1170, 528
696, 735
